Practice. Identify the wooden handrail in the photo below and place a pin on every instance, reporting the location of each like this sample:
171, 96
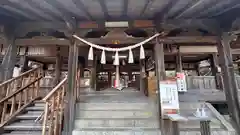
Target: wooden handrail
56, 88
54, 107
23, 74
20, 90
19, 94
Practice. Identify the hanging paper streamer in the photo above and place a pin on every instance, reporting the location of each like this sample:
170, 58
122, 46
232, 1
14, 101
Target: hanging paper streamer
103, 57
116, 60
90, 54
142, 53
130, 56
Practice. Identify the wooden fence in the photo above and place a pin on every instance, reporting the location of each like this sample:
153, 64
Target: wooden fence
205, 82
201, 82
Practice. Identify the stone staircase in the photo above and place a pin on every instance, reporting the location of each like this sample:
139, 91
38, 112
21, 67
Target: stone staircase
26, 123
128, 112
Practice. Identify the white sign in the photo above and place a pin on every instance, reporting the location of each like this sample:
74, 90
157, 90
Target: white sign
181, 82
169, 97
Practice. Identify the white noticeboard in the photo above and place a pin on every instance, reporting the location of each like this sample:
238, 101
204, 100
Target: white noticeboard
169, 96
181, 82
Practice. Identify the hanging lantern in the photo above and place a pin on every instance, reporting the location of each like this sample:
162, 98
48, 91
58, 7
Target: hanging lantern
116, 60
103, 57
90, 54
142, 53
130, 56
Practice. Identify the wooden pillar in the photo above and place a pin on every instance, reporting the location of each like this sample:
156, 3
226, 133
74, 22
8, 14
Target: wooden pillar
160, 68
130, 76
179, 62
57, 67
9, 59
143, 77
230, 86
93, 67
70, 107
24, 61
197, 69
109, 79
214, 66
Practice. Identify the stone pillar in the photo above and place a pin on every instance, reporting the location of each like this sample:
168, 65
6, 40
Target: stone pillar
58, 66
9, 59
214, 66
230, 86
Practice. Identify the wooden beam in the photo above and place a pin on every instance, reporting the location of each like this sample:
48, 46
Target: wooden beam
209, 25
83, 8
190, 6
146, 4
165, 11
104, 8
10, 14
36, 42
32, 13
234, 4
43, 9
208, 8
124, 8
166, 40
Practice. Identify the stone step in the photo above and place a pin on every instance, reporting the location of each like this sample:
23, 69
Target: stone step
139, 132
23, 133
135, 123
116, 123
114, 106
24, 126
28, 116
117, 114
35, 108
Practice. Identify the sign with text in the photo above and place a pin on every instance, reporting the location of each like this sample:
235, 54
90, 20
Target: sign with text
181, 82
169, 97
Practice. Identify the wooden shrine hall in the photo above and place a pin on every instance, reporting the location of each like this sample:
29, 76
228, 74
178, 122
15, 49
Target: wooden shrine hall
99, 67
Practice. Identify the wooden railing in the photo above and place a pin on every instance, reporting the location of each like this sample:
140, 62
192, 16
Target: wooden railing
10, 86
54, 107
201, 82
19, 94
